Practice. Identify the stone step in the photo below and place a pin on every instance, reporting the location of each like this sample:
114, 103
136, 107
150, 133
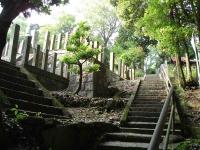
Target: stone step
35, 107
142, 113
142, 119
16, 80
156, 88
12, 72
159, 105
150, 97
25, 96
9, 65
142, 125
118, 145
145, 94
143, 102
145, 131
149, 109
20, 87
127, 137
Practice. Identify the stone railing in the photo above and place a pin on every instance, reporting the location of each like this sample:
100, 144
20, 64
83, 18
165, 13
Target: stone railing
28, 52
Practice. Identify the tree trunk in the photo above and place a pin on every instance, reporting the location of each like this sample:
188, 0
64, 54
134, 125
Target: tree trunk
188, 65
181, 77
4, 26
8, 14
80, 78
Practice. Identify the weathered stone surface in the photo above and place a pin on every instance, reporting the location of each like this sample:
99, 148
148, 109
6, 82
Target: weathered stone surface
80, 136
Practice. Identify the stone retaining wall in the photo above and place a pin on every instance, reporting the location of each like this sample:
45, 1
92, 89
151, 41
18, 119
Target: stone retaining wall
94, 84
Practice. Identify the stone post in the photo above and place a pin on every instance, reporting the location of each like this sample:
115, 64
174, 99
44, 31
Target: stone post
61, 69
36, 57
59, 44
46, 47
100, 54
67, 70
53, 39
46, 42
34, 39
123, 69
112, 61
12, 52
120, 68
53, 69
27, 50
66, 40
5, 50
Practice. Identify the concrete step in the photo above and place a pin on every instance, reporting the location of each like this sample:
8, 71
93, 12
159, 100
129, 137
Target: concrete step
118, 145
156, 88
9, 65
142, 125
20, 87
142, 119
156, 94
18, 80
144, 113
25, 96
141, 97
147, 102
149, 109
12, 72
35, 107
158, 105
145, 131
127, 137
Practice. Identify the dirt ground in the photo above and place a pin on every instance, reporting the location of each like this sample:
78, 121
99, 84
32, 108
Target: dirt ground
193, 106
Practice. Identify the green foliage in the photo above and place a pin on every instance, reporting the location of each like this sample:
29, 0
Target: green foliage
19, 115
92, 68
133, 57
78, 50
189, 144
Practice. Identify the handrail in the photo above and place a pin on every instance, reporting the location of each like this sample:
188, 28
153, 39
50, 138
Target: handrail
169, 103
155, 140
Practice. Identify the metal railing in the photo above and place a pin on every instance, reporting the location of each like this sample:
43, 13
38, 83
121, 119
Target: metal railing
168, 105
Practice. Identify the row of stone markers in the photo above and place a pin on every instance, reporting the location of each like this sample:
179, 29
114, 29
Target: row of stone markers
29, 52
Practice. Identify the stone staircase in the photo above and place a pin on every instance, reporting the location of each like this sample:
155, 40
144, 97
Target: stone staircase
24, 93
143, 115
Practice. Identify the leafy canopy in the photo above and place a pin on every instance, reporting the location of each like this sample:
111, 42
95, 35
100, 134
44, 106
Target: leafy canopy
78, 50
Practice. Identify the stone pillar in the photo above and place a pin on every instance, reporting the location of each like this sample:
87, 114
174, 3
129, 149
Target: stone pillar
112, 61
120, 68
53, 69
67, 70
59, 44
34, 41
35, 61
5, 50
61, 68
66, 40
27, 50
46, 42
46, 48
53, 39
123, 69
100, 55
12, 52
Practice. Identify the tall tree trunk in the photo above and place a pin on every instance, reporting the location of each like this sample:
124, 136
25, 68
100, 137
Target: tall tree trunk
181, 77
80, 78
8, 14
4, 26
188, 65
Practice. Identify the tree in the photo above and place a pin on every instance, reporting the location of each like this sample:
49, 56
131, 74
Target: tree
80, 51
12, 8
103, 21
133, 57
65, 23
